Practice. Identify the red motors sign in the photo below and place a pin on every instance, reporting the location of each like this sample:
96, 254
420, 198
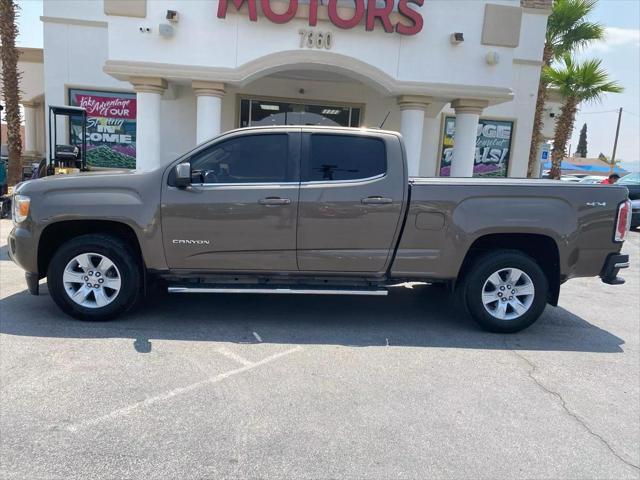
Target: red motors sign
367, 10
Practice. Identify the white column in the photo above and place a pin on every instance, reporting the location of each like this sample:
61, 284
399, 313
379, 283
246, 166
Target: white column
148, 96
430, 147
412, 110
41, 142
209, 109
464, 142
30, 129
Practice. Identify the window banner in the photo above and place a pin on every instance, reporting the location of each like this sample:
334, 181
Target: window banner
493, 147
111, 127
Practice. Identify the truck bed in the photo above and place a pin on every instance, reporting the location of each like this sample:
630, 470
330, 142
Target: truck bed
449, 215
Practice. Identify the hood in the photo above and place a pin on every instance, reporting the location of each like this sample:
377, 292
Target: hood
95, 179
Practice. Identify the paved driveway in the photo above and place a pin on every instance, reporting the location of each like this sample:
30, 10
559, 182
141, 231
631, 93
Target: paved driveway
238, 386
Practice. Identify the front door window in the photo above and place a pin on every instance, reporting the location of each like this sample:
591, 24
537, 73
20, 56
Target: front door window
267, 113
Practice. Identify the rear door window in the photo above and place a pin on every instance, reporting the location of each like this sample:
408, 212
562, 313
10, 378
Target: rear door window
344, 157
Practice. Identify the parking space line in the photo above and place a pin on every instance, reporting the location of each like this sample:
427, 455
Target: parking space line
234, 356
177, 391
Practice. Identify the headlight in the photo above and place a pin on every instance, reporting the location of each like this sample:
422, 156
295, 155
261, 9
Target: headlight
21, 204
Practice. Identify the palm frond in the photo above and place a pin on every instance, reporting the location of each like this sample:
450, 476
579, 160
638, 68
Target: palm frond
568, 28
584, 82
578, 37
562, 76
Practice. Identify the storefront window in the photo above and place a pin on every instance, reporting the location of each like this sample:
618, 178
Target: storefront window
268, 112
111, 127
493, 147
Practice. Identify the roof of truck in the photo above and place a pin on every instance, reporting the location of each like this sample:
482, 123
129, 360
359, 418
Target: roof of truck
316, 127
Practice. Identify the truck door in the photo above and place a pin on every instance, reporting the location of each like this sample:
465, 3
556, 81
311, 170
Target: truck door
351, 201
240, 213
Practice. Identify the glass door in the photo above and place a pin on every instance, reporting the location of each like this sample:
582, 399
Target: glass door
255, 112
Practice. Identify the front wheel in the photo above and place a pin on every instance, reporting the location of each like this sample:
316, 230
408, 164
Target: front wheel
94, 277
505, 291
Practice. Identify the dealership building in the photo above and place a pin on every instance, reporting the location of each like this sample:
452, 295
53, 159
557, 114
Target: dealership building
458, 78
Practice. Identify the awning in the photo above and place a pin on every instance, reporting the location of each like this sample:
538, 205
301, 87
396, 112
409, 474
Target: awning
585, 168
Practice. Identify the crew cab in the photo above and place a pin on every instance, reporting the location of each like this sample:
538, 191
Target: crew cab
313, 210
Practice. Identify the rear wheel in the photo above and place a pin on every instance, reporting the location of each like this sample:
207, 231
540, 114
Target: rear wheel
94, 277
505, 291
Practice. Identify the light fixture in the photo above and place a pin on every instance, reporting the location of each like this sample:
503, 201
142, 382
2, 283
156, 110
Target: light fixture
492, 58
330, 111
165, 30
266, 106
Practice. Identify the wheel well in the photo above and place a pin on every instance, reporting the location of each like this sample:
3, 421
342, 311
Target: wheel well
56, 234
541, 248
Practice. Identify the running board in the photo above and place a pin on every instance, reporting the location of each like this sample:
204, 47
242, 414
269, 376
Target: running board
285, 291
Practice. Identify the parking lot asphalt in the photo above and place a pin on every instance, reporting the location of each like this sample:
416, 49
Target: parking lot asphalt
240, 386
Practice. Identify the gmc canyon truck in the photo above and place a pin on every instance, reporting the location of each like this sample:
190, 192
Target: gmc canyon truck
313, 210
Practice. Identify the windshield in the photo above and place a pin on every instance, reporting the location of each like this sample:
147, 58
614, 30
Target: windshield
631, 179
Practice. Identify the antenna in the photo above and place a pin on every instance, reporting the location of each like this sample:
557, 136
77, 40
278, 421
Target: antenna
385, 118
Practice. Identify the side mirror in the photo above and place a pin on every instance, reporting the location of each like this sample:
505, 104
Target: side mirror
183, 175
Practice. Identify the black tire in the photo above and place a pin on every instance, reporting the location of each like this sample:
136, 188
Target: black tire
479, 273
119, 253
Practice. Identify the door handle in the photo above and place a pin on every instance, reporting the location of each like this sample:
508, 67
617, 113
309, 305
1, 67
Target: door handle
377, 200
274, 201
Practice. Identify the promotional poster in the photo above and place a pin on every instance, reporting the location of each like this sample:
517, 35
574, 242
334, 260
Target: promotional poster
493, 147
111, 127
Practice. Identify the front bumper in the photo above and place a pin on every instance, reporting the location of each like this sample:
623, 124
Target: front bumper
23, 249
22, 253
612, 267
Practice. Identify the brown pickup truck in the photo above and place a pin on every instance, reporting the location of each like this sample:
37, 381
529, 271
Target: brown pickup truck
313, 210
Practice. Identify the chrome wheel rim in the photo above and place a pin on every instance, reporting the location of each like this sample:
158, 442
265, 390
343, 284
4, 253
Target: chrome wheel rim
91, 280
508, 294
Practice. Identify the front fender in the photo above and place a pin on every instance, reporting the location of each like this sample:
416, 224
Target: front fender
132, 199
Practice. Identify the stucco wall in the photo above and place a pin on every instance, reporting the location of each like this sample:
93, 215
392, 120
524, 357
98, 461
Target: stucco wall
80, 40
201, 39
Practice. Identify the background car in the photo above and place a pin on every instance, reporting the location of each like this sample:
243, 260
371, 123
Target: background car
632, 182
591, 179
635, 214
570, 178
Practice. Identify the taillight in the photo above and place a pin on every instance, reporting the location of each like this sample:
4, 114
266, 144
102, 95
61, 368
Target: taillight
623, 222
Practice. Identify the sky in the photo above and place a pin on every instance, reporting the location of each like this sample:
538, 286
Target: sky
620, 54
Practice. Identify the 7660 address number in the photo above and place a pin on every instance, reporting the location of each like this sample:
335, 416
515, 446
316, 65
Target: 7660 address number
315, 39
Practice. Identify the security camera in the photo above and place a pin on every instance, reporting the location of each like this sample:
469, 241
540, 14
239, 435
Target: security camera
457, 38
172, 15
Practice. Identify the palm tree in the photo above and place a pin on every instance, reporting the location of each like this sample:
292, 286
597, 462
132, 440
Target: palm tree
11, 87
567, 30
612, 164
577, 83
